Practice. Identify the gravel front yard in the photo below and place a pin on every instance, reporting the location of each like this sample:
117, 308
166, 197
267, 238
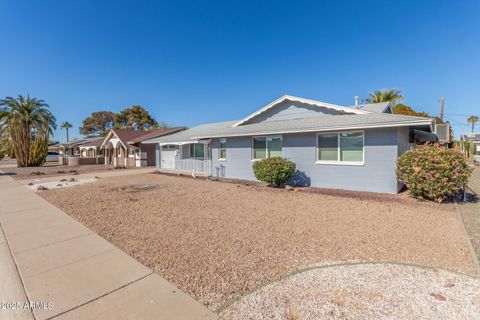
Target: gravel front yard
218, 240
49, 169
378, 291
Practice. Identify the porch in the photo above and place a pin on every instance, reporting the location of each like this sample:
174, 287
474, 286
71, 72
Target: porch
186, 157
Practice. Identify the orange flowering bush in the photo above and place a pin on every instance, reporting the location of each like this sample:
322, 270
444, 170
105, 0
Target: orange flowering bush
432, 172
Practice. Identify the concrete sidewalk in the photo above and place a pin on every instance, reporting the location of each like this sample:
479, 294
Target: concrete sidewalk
82, 276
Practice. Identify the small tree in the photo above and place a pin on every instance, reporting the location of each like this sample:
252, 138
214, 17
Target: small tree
66, 125
472, 120
25, 120
433, 172
275, 170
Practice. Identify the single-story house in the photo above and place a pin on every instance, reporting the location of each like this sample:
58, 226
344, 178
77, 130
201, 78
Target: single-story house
125, 148
333, 146
72, 147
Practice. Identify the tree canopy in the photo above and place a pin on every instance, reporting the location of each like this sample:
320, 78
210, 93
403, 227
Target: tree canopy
98, 123
406, 110
386, 95
136, 118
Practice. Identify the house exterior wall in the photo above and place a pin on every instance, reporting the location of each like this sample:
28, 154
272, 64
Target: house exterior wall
151, 152
377, 174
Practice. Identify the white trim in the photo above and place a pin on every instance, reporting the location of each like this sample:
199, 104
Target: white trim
302, 100
178, 143
266, 146
219, 148
108, 137
373, 126
340, 162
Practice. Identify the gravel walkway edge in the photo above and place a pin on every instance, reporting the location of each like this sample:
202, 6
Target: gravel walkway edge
230, 302
471, 250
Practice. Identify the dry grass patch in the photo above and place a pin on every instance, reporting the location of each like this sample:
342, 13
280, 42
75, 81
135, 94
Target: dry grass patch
217, 240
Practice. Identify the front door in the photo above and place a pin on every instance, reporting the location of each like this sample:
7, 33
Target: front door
169, 153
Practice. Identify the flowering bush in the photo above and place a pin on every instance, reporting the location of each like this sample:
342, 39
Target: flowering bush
432, 172
275, 170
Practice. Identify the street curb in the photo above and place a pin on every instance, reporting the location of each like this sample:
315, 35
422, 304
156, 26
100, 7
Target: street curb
469, 243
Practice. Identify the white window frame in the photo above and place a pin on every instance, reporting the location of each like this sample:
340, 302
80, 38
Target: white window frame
266, 146
339, 162
219, 150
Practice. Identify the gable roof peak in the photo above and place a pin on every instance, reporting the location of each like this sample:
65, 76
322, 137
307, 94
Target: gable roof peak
301, 100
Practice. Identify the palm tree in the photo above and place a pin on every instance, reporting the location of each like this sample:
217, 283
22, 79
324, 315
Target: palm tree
29, 124
386, 95
473, 119
66, 125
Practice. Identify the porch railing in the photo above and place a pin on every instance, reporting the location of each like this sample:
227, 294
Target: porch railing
194, 165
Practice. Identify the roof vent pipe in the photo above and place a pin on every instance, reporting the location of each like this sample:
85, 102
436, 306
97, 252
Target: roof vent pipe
356, 101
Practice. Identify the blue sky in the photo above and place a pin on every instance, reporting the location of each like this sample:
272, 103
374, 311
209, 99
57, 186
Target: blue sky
192, 62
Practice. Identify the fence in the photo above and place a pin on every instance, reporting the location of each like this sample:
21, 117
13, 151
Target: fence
194, 165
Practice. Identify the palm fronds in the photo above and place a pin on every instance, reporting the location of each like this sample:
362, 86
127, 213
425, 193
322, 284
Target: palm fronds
386, 95
26, 119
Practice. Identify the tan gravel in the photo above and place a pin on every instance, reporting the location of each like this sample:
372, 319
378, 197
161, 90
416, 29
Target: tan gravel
379, 291
217, 240
52, 169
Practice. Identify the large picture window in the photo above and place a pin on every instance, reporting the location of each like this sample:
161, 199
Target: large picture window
340, 147
197, 150
222, 149
266, 147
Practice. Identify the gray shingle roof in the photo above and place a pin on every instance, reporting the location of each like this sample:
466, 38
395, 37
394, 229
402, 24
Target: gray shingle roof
310, 124
374, 107
471, 136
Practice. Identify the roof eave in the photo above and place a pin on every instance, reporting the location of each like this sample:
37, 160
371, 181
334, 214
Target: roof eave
324, 129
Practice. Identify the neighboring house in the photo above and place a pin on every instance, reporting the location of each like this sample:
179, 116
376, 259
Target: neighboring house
333, 146
125, 148
475, 138
91, 148
72, 148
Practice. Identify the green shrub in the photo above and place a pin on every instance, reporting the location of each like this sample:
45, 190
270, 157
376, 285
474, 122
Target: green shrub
432, 172
275, 170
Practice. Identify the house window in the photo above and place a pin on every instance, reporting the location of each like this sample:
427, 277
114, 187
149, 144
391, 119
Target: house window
266, 147
341, 147
222, 149
197, 150
131, 151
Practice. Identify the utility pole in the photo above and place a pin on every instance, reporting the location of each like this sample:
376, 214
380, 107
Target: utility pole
442, 102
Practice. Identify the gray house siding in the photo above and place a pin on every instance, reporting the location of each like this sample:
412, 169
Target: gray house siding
238, 164
292, 110
376, 175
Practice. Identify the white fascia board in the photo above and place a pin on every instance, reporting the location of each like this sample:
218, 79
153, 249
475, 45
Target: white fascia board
179, 143
302, 100
373, 126
107, 138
